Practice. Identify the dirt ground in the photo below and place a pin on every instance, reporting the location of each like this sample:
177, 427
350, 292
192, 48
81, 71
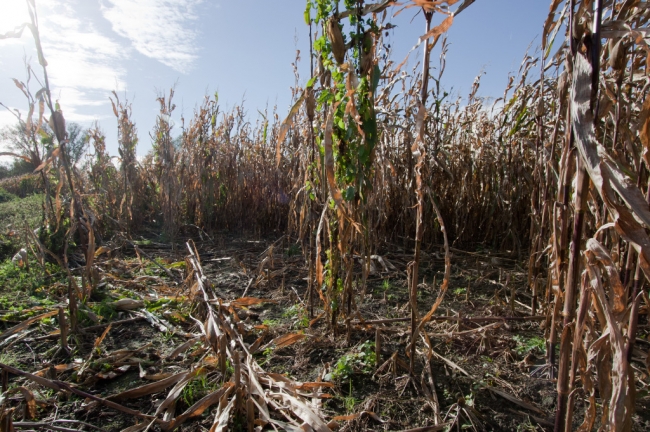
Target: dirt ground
488, 374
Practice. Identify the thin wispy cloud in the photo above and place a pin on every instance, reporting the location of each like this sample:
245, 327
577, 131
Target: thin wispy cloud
84, 65
159, 30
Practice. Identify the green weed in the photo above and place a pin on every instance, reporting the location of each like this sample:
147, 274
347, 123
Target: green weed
298, 314
293, 250
267, 353
196, 389
104, 309
22, 288
362, 359
155, 305
524, 346
349, 402
270, 323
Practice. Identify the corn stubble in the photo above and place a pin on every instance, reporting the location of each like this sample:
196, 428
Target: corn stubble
555, 171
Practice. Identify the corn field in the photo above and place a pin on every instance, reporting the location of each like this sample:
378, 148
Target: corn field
417, 240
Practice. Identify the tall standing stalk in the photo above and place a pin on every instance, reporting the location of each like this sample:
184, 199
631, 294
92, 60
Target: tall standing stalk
418, 149
580, 203
58, 126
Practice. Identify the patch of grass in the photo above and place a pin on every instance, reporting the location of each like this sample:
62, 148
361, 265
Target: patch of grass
361, 359
105, 309
270, 323
267, 353
230, 369
460, 291
299, 316
196, 389
349, 402
14, 212
6, 196
155, 305
22, 288
177, 265
524, 346
9, 359
23, 185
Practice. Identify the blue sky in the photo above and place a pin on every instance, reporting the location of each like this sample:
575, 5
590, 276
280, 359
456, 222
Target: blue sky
242, 49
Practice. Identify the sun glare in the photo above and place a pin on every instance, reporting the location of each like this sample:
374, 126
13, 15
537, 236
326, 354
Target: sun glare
14, 13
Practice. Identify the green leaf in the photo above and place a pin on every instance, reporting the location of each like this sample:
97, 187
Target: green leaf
348, 195
376, 75
308, 13
319, 43
519, 121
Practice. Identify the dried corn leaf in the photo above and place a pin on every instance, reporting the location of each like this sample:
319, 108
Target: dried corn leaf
303, 412
137, 428
605, 259
182, 348
30, 402
58, 369
156, 376
249, 301
370, 414
148, 389
314, 385
49, 160
285, 126
287, 427
41, 111
517, 401
99, 340
439, 29
644, 130
335, 37
288, 339
175, 392
127, 304
23, 325
221, 421
199, 407
101, 250
614, 368
319, 262
603, 171
114, 373
550, 20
